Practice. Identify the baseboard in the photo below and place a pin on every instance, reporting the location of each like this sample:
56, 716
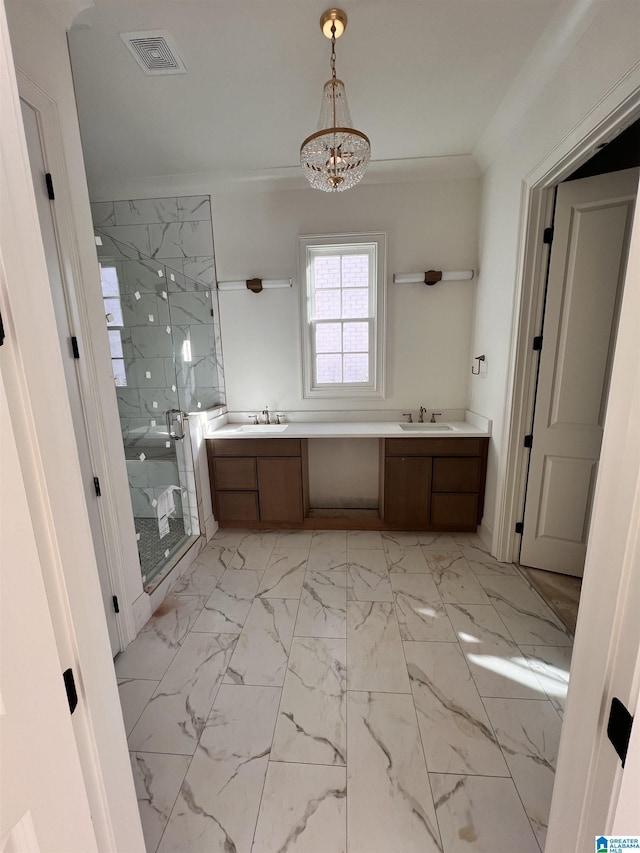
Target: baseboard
210, 528
485, 532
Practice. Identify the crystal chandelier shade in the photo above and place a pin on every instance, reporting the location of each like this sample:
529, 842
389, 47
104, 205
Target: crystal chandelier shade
336, 156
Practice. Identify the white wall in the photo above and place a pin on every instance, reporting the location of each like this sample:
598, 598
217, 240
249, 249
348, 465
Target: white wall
606, 55
344, 472
430, 225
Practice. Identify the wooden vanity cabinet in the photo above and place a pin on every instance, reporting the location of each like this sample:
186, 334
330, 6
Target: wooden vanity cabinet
434, 483
256, 481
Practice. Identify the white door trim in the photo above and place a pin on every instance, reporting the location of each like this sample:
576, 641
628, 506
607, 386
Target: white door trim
119, 551
36, 389
619, 109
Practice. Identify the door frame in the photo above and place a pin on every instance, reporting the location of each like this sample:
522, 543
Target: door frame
118, 531
536, 213
33, 374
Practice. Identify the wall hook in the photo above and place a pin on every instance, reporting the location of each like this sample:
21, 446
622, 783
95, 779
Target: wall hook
478, 358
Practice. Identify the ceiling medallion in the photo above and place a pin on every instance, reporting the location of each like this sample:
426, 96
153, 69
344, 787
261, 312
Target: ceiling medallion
336, 156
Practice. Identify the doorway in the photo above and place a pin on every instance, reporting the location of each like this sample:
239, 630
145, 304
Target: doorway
589, 248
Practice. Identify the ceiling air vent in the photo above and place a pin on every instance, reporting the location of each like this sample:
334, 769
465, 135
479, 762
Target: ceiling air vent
154, 51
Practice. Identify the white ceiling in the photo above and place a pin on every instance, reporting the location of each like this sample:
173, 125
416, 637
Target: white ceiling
424, 77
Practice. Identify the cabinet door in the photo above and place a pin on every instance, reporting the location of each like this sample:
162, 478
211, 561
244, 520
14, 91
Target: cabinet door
235, 473
407, 490
280, 489
237, 506
457, 474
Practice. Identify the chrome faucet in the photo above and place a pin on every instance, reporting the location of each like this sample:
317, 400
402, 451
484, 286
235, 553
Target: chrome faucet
422, 414
265, 412
254, 418
408, 416
433, 416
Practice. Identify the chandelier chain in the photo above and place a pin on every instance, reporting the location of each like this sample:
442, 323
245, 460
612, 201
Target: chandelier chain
333, 50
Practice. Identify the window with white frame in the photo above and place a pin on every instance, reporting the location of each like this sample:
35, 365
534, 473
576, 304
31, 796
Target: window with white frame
342, 303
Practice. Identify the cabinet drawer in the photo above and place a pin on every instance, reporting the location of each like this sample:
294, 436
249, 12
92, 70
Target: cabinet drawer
254, 446
235, 473
434, 446
454, 511
457, 474
237, 506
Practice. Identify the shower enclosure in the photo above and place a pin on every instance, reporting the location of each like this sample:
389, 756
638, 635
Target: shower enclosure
165, 357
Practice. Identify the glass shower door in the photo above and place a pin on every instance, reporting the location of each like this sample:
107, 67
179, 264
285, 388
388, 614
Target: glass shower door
156, 368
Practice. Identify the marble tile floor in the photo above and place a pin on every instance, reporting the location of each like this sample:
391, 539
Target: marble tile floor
560, 592
325, 691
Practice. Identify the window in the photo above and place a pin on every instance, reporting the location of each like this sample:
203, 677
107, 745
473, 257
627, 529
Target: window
113, 313
342, 303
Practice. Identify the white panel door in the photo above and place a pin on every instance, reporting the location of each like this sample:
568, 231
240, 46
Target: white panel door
44, 801
586, 273
54, 268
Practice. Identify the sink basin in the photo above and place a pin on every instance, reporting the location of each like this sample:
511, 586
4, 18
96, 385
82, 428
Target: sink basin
425, 427
262, 429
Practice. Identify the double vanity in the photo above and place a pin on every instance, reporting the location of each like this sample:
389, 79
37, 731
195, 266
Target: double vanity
431, 476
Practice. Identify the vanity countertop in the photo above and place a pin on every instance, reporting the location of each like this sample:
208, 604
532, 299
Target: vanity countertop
352, 429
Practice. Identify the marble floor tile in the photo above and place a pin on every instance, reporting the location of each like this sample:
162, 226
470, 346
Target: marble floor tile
294, 539
498, 666
230, 537
261, 654
402, 558
551, 665
150, 654
481, 814
367, 576
421, 614
454, 579
218, 804
285, 573
323, 605
529, 733
560, 592
375, 659
254, 551
482, 563
400, 538
327, 559
437, 541
456, 733
134, 694
329, 539
157, 779
204, 573
303, 810
175, 715
364, 540
527, 618
390, 806
228, 606
311, 727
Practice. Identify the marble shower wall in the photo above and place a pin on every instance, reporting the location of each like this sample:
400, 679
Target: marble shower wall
163, 252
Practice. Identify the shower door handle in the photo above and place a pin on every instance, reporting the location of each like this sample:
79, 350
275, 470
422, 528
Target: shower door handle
180, 416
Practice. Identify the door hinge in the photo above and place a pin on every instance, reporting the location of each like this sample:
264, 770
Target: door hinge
547, 236
49, 182
537, 343
116, 606
74, 347
70, 687
1, 331
619, 728
528, 441
96, 486
519, 526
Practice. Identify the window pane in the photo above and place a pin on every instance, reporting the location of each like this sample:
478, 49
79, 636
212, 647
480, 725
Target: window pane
355, 303
112, 307
326, 271
356, 337
328, 369
327, 304
119, 373
329, 337
109, 279
356, 368
355, 271
115, 343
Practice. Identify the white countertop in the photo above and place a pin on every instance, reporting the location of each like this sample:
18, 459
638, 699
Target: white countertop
354, 429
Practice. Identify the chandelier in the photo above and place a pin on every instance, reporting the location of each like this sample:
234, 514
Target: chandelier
335, 157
